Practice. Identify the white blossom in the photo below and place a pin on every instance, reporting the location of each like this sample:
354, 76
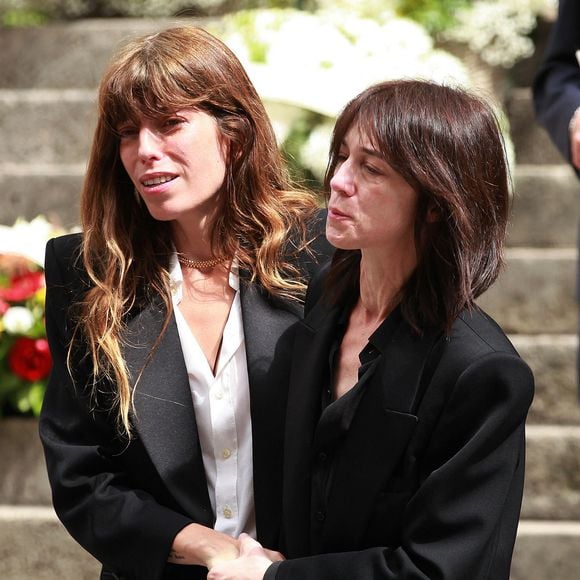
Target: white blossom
314, 153
18, 320
27, 239
498, 30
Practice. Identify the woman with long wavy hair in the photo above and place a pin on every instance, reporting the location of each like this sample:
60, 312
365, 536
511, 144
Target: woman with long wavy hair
162, 418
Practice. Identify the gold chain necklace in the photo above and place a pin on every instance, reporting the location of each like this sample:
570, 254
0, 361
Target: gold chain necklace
199, 264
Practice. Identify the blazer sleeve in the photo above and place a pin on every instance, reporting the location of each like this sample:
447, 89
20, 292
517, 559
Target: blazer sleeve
462, 519
556, 88
124, 528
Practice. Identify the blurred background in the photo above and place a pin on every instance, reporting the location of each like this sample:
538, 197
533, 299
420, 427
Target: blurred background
307, 59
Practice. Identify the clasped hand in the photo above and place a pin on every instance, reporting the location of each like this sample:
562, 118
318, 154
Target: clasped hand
251, 564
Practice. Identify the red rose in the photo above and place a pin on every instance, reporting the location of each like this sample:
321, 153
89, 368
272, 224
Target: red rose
29, 358
22, 286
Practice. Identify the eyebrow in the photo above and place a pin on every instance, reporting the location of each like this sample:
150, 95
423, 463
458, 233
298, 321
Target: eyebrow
373, 153
367, 150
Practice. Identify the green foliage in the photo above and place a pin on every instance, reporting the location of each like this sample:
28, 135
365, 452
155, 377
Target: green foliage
434, 15
22, 18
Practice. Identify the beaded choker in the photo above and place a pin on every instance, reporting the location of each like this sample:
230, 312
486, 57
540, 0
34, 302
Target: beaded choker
199, 264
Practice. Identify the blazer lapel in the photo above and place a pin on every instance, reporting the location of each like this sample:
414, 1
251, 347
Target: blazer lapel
309, 368
164, 415
268, 331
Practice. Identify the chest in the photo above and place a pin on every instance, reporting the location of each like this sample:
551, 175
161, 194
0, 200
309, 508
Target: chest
347, 361
206, 315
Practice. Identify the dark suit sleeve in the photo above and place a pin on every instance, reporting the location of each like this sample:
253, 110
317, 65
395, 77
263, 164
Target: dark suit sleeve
123, 527
556, 88
461, 521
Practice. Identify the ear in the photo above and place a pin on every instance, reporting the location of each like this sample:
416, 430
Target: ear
433, 214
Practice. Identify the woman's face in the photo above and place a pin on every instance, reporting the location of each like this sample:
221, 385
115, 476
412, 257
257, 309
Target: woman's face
177, 163
371, 206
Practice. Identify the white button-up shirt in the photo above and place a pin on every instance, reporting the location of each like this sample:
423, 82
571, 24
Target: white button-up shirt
222, 413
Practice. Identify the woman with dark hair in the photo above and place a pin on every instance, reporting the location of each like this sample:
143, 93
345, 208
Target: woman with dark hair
404, 453
162, 422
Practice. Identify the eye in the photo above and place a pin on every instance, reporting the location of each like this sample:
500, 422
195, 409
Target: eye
172, 123
372, 169
127, 131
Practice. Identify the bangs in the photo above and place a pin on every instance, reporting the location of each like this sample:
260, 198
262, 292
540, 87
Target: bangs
146, 87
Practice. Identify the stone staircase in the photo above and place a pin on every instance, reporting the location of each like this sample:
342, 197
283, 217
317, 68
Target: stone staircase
47, 91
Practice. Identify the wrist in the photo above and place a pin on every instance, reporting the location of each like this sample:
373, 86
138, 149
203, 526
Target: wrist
201, 546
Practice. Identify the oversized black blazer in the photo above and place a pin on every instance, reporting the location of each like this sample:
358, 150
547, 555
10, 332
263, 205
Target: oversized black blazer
556, 88
125, 503
428, 476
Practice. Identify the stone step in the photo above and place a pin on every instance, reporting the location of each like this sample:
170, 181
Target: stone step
545, 206
552, 486
29, 190
67, 54
46, 126
531, 142
535, 294
34, 545
544, 549
553, 360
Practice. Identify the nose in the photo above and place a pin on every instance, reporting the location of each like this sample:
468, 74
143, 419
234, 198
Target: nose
343, 179
149, 146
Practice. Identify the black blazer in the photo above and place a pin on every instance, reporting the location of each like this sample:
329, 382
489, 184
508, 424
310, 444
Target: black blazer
428, 465
125, 503
556, 87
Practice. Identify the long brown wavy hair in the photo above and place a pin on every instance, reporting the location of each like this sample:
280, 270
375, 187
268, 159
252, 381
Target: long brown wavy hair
447, 144
125, 251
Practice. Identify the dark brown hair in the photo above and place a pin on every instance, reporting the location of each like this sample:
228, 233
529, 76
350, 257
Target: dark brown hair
447, 144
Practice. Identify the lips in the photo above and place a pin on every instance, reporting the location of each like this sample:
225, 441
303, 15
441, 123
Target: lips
154, 180
336, 214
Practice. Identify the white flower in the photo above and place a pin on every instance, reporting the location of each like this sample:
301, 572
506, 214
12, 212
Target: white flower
27, 239
18, 320
498, 30
319, 61
314, 153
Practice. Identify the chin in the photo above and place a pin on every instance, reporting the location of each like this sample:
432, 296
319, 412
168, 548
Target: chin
340, 243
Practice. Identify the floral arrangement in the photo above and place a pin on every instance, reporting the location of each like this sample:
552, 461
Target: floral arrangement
25, 360
499, 30
305, 84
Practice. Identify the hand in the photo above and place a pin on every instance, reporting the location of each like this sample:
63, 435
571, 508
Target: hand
252, 563
575, 139
202, 546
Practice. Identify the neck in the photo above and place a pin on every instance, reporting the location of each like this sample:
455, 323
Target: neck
382, 281
192, 241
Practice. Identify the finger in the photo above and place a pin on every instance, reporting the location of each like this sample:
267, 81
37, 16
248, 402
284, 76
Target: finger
274, 555
249, 546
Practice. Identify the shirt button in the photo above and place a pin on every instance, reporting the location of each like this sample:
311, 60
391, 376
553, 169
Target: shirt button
226, 453
322, 457
219, 395
227, 511
320, 516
